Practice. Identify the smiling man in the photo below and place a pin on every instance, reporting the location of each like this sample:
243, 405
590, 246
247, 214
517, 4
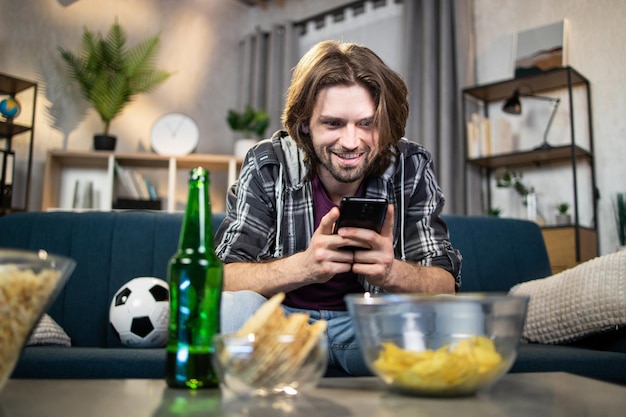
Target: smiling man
344, 124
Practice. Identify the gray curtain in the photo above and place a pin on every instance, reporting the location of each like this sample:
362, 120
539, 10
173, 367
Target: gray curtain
438, 51
439, 64
266, 60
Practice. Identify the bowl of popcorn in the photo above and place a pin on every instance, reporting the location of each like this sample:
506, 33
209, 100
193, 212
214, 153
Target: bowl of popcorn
272, 354
29, 283
438, 345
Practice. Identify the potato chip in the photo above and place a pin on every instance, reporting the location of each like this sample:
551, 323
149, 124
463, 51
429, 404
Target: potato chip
452, 368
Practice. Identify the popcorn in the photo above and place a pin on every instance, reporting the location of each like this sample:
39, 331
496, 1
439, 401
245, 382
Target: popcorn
23, 296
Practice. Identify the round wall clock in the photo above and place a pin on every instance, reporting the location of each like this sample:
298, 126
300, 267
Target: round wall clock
174, 134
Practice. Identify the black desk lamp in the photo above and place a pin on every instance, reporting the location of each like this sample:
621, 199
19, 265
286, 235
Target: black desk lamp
512, 105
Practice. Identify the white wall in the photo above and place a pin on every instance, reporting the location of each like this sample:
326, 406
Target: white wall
596, 29
198, 44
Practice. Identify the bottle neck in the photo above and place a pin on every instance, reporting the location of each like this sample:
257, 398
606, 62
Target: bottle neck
197, 229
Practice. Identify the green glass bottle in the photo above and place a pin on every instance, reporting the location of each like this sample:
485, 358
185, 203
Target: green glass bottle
196, 278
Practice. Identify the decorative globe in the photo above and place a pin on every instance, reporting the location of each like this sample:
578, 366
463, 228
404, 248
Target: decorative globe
9, 107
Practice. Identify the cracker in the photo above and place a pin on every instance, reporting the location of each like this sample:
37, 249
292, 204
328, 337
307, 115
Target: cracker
274, 362
270, 312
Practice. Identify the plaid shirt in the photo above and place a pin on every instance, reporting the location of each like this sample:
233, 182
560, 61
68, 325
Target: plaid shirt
270, 208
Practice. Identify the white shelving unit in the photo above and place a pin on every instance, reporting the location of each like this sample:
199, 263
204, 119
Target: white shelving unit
64, 169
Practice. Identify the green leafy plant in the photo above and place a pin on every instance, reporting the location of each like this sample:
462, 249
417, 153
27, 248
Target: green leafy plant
620, 214
510, 179
562, 208
110, 73
251, 122
494, 212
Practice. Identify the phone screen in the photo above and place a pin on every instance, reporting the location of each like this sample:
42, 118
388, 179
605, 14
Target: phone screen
366, 213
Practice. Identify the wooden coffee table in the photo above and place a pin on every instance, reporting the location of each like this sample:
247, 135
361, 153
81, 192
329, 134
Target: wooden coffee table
536, 394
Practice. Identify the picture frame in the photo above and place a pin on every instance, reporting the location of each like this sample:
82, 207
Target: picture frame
541, 49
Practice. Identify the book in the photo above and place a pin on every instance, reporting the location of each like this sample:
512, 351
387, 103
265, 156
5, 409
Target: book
6, 178
135, 185
479, 136
151, 191
126, 181
140, 184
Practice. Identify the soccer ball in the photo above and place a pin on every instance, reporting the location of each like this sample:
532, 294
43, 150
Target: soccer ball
140, 312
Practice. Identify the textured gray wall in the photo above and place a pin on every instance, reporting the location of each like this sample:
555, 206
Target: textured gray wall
595, 30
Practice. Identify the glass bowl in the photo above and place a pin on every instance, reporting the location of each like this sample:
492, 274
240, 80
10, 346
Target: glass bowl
29, 283
269, 365
438, 345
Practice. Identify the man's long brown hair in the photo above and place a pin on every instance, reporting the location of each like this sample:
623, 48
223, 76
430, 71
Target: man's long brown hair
331, 63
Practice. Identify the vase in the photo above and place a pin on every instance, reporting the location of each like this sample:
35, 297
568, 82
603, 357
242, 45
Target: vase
104, 142
563, 219
242, 146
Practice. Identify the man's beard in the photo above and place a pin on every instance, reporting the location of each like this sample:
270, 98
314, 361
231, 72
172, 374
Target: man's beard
342, 173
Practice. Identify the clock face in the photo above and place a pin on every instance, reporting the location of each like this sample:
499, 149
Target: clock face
174, 134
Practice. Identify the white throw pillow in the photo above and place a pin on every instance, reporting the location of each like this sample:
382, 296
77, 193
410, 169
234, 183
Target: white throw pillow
48, 332
586, 299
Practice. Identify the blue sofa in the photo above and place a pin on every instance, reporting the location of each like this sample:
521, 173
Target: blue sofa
113, 247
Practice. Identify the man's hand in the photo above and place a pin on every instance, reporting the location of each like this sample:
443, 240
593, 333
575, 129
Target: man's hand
380, 268
323, 258
376, 259
317, 264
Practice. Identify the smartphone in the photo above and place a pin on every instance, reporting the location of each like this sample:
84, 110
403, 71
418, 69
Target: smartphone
366, 213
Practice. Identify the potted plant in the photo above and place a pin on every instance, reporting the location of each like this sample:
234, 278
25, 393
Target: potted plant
563, 218
510, 179
494, 212
111, 74
513, 180
252, 123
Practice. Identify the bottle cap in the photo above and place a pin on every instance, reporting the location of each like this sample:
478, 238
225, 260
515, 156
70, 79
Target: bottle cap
198, 172
412, 335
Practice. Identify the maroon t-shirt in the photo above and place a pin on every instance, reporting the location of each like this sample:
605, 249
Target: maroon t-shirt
327, 296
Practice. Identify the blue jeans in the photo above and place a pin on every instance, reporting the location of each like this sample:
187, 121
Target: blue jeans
344, 351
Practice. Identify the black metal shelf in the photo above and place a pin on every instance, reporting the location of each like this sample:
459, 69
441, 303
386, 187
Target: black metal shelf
554, 155
13, 86
554, 79
8, 129
571, 154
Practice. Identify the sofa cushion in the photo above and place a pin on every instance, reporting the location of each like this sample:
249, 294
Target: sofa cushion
54, 362
89, 363
588, 298
607, 366
496, 251
48, 332
613, 340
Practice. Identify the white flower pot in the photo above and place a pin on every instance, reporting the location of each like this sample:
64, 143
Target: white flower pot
563, 219
242, 146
